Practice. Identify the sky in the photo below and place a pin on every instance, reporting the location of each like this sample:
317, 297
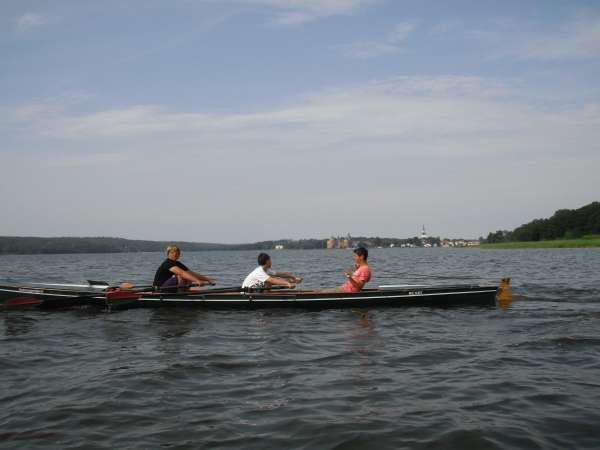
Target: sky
245, 120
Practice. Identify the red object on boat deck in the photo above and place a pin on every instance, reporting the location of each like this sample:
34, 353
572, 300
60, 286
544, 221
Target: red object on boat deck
117, 293
18, 301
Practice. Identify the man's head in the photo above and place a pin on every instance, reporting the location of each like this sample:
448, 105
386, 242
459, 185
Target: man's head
172, 252
264, 260
361, 253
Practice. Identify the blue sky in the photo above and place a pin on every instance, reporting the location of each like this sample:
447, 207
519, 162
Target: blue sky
243, 120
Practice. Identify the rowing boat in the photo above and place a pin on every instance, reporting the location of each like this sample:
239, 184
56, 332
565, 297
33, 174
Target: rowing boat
390, 295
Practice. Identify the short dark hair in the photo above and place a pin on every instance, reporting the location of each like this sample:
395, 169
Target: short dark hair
263, 258
361, 251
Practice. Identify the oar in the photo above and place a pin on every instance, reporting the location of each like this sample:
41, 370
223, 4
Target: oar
114, 298
130, 287
222, 290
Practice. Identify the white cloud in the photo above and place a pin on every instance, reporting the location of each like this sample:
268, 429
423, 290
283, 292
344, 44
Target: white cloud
401, 32
445, 117
576, 39
47, 107
30, 20
392, 43
579, 39
295, 12
34, 111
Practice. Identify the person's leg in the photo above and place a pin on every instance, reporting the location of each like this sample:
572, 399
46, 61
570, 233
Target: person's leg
182, 283
170, 285
260, 287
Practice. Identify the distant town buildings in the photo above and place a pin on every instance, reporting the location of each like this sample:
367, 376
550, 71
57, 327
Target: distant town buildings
408, 245
338, 242
423, 240
446, 243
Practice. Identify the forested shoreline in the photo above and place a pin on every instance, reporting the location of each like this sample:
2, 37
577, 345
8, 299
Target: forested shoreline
19, 245
565, 224
57, 245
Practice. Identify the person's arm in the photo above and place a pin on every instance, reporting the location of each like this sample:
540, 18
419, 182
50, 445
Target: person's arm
189, 275
277, 281
287, 275
204, 278
357, 284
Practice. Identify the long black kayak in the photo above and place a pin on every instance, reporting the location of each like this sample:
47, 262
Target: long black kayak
12, 296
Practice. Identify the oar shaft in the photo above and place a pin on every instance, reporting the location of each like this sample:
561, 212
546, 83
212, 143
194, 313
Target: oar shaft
200, 292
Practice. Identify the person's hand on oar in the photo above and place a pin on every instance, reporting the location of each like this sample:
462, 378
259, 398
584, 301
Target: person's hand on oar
292, 278
127, 286
198, 285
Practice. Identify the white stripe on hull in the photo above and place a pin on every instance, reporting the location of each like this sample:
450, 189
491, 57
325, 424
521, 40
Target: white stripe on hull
53, 294
310, 299
93, 286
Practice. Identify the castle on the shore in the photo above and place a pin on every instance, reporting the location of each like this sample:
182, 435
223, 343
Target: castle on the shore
340, 242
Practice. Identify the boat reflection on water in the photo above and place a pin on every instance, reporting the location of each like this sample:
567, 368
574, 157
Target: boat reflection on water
174, 323
364, 319
365, 340
18, 325
504, 297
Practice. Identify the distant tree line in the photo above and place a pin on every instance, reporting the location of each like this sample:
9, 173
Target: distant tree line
564, 224
57, 245
301, 244
54, 245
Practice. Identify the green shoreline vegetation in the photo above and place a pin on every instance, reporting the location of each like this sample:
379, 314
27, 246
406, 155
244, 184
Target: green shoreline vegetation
585, 241
567, 228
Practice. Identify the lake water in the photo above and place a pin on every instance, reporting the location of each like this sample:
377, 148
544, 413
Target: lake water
524, 375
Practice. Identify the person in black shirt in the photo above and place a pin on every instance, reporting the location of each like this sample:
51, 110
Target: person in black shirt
173, 274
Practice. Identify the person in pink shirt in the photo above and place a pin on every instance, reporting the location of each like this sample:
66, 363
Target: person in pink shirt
356, 279
362, 274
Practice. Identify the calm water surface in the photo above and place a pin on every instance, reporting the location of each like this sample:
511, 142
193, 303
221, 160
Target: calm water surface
525, 375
